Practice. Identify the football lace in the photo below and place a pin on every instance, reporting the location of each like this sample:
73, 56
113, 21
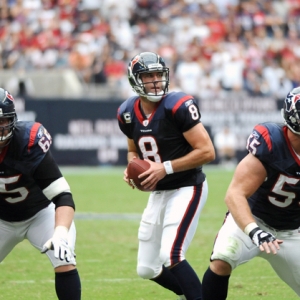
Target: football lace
133, 183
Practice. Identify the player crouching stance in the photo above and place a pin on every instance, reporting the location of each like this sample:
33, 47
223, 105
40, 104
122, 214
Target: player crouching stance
35, 199
263, 203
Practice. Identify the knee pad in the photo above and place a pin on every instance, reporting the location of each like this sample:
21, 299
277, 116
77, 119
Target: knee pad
145, 272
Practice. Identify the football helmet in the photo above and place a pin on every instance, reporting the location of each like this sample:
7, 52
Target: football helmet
291, 110
147, 62
7, 110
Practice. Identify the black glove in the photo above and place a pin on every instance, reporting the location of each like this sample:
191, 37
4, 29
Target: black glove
259, 236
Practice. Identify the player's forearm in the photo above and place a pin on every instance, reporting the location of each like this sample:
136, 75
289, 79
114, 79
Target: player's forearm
132, 151
193, 159
64, 216
239, 208
131, 155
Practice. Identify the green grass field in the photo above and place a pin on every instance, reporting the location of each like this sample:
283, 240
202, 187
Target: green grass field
107, 220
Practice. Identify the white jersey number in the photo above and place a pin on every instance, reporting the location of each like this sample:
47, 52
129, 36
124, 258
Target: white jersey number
20, 193
45, 141
252, 144
149, 148
194, 112
279, 190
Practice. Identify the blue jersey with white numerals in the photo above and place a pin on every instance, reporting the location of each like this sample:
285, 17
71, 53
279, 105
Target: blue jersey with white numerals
160, 137
20, 195
277, 201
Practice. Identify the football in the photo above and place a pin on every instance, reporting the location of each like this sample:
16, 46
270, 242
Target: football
134, 169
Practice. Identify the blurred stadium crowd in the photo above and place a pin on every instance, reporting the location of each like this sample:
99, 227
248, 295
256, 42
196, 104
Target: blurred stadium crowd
211, 46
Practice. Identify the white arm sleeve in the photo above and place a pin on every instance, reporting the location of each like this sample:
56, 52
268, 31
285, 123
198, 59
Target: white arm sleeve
57, 187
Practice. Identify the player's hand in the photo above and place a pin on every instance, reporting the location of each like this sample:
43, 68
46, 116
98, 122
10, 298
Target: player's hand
155, 173
266, 241
126, 178
59, 243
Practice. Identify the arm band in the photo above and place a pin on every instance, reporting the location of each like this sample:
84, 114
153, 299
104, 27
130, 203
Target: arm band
168, 167
64, 199
250, 227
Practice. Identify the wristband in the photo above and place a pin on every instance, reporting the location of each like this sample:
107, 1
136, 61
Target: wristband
168, 167
61, 232
250, 227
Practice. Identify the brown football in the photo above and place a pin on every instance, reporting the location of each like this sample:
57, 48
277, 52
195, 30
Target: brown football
134, 169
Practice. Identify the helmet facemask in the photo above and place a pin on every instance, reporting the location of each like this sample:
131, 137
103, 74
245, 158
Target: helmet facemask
159, 91
8, 117
6, 131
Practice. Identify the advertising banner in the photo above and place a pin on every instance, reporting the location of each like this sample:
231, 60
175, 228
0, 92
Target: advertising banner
86, 132
83, 132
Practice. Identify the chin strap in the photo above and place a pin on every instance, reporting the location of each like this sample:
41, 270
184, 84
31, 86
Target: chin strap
155, 97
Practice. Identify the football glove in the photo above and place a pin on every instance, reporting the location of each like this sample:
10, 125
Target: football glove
59, 243
259, 236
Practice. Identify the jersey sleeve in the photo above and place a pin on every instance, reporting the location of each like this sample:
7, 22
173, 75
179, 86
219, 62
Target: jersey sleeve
124, 127
51, 181
33, 141
260, 143
186, 113
40, 140
125, 115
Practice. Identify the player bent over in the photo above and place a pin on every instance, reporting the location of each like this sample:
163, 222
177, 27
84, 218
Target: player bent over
35, 199
263, 202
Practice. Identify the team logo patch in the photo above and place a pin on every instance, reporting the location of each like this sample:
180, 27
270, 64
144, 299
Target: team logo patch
290, 101
296, 98
188, 103
127, 117
9, 96
135, 60
145, 122
40, 133
255, 134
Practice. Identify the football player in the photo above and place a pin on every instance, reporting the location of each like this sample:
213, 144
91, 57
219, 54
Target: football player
165, 129
35, 199
263, 203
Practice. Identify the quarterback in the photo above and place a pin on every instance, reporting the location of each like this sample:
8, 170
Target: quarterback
35, 199
165, 129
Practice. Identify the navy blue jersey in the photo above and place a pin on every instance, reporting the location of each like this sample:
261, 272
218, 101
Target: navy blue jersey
21, 197
277, 201
160, 137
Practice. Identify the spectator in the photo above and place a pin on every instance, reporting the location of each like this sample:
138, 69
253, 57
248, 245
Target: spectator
233, 35
232, 73
226, 144
189, 74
